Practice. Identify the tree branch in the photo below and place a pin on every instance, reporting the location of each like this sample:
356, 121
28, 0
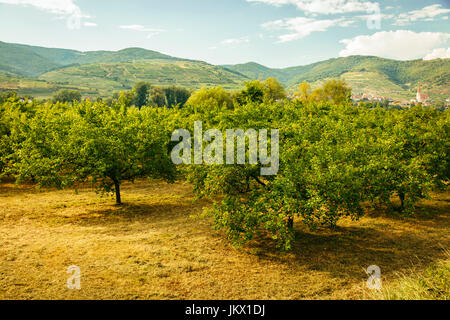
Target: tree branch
259, 181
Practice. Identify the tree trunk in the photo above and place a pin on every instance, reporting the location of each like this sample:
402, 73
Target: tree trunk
118, 199
291, 223
401, 195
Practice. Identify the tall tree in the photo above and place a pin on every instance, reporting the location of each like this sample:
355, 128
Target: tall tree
157, 97
333, 91
273, 90
257, 91
253, 92
210, 99
304, 93
176, 96
336, 92
65, 95
141, 92
96, 144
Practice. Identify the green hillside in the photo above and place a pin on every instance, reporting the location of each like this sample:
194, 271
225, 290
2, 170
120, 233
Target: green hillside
34, 87
71, 57
33, 61
396, 79
41, 71
22, 61
254, 70
105, 78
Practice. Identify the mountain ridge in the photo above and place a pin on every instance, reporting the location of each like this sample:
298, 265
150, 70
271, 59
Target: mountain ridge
116, 70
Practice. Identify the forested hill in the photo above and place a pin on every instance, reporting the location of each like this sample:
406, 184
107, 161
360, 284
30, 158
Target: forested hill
34, 61
363, 73
40, 71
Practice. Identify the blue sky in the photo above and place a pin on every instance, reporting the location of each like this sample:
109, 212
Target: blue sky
276, 33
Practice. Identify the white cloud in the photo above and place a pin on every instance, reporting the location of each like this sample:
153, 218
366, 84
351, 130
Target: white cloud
152, 34
63, 9
140, 28
380, 16
235, 41
440, 53
89, 24
400, 44
301, 27
326, 6
346, 23
59, 7
136, 27
424, 14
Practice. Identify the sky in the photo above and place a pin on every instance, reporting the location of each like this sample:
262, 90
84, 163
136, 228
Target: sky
275, 33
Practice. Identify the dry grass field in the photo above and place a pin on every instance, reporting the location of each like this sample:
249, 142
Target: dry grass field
159, 246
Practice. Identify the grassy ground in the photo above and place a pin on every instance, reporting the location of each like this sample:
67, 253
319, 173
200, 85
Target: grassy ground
158, 246
431, 284
38, 88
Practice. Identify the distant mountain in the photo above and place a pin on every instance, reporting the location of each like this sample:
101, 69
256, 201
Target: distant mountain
41, 71
254, 70
34, 61
23, 61
65, 57
398, 79
106, 78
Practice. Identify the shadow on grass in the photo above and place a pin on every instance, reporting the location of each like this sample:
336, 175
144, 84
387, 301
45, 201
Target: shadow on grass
349, 252
145, 213
346, 251
393, 242
433, 216
10, 188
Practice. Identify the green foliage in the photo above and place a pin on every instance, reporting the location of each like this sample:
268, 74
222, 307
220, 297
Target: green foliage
176, 96
67, 96
333, 158
253, 92
273, 90
257, 91
141, 92
91, 142
158, 97
213, 99
171, 96
333, 91
336, 92
4, 96
14, 114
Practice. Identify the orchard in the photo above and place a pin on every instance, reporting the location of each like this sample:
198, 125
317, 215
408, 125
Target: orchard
335, 157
